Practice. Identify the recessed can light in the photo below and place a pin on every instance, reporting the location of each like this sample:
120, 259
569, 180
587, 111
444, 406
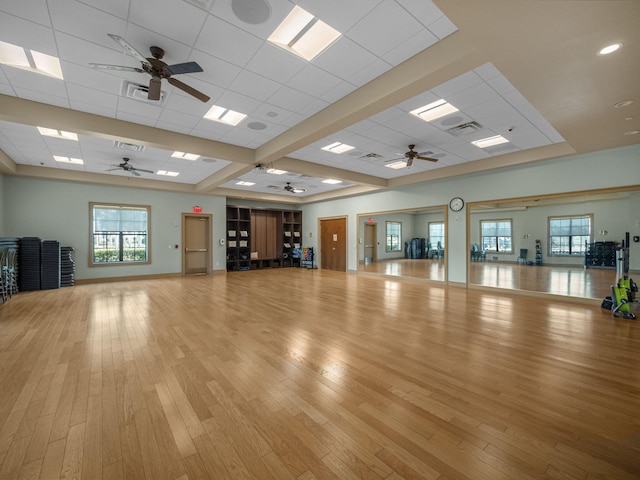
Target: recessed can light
610, 48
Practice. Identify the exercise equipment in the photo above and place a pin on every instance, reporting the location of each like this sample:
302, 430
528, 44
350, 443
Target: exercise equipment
622, 295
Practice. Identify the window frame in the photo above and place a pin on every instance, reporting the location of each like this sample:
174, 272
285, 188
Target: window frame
92, 233
497, 237
388, 248
435, 243
569, 240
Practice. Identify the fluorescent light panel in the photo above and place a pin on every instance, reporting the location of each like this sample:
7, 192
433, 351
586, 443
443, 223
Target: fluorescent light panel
275, 171
245, 184
490, 141
74, 161
52, 132
224, 115
397, 165
332, 181
185, 156
30, 60
303, 34
434, 110
167, 173
338, 147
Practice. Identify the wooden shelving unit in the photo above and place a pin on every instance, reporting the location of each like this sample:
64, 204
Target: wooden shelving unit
238, 238
262, 238
291, 237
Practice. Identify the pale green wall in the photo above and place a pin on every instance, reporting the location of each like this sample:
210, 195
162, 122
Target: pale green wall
606, 169
58, 210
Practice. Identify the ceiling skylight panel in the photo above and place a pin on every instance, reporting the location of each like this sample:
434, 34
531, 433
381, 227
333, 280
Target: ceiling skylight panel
434, 110
30, 60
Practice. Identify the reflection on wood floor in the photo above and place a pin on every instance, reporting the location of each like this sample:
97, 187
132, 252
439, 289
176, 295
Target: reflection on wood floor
573, 281
425, 269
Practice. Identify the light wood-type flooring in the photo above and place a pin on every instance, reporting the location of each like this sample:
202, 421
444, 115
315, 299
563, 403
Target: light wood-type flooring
309, 374
572, 281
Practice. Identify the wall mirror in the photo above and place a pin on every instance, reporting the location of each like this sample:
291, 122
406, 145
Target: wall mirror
404, 243
558, 244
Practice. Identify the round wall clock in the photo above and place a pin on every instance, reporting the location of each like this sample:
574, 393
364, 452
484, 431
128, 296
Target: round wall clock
456, 204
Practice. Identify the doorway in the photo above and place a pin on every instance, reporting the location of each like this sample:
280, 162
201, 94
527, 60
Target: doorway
333, 244
196, 242
370, 244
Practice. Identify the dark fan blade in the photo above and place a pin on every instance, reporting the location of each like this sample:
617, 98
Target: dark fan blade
133, 172
130, 49
116, 67
154, 88
112, 169
190, 90
142, 170
188, 67
409, 161
427, 158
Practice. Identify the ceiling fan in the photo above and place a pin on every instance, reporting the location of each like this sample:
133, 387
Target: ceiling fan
127, 167
158, 70
411, 155
291, 189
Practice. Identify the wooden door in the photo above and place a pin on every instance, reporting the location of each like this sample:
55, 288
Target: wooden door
333, 244
370, 243
196, 240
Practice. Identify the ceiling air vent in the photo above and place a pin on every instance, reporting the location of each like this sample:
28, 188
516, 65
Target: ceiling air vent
128, 146
140, 93
371, 155
464, 129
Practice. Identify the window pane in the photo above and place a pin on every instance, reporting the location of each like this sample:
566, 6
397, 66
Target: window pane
394, 236
119, 234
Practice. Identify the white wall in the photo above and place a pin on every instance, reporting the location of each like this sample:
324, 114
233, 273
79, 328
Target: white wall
58, 210
606, 169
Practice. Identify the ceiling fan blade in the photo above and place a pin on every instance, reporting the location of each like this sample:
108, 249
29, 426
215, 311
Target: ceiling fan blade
143, 170
154, 88
188, 67
132, 51
190, 90
112, 169
133, 172
427, 159
116, 67
409, 161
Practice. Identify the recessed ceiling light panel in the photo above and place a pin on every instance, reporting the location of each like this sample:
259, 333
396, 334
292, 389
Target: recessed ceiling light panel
332, 181
275, 171
397, 165
338, 147
245, 184
303, 34
434, 110
490, 141
74, 161
52, 132
167, 173
18, 57
185, 156
224, 115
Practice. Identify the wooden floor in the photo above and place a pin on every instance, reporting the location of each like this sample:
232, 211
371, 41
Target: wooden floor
310, 374
557, 280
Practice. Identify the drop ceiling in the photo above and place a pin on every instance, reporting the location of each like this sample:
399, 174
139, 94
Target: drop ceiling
529, 71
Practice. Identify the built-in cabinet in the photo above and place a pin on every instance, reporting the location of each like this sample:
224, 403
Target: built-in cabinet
262, 238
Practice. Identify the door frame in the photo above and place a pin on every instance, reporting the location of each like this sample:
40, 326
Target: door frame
374, 252
208, 241
346, 239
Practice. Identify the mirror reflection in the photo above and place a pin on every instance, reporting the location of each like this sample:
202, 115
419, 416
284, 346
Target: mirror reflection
562, 245
406, 243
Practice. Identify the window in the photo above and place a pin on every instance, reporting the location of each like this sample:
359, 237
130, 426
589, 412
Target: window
569, 235
119, 234
496, 236
394, 236
436, 234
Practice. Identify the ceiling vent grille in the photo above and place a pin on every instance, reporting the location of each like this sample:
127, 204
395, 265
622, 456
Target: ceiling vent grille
464, 129
128, 146
140, 93
371, 155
